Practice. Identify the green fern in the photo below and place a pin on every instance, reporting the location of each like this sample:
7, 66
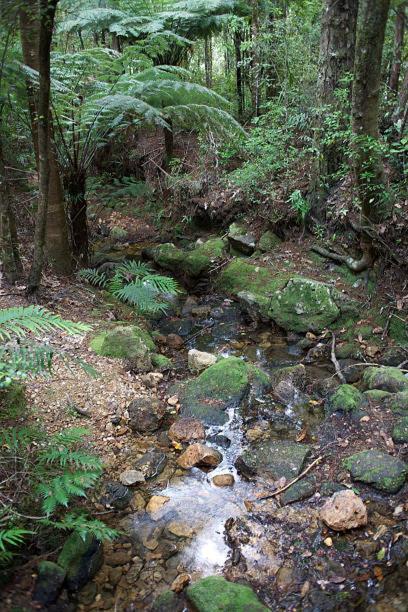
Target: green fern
19, 321
59, 490
93, 277
82, 525
11, 538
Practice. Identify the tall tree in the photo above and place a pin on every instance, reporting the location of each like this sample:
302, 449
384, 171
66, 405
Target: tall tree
367, 165
57, 234
47, 16
398, 47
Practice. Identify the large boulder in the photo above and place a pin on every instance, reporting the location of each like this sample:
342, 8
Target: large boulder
273, 459
376, 468
81, 558
191, 263
344, 510
49, 582
215, 594
126, 342
346, 399
386, 379
221, 386
295, 303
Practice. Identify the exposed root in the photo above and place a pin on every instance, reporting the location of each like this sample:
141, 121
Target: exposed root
355, 265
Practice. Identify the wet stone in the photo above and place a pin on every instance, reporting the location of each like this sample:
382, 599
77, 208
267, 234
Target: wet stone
273, 459
199, 455
131, 477
49, 582
187, 429
151, 464
214, 594
116, 496
374, 467
145, 415
223, 480
343, 511
300, 490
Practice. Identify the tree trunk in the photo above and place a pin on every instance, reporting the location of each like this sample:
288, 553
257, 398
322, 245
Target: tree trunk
367, 164
239, 76
10, 263
208, 60
57, 235
398, 47
337, 47
47, 15
76, 190
400, 115
256, 60
168, 144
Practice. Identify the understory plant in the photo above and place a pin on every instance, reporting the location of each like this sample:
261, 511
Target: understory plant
134, 283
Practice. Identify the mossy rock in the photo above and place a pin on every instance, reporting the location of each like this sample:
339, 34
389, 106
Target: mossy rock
377, 395
398, 402
376, 468
167, 256
126, 342
221, 386
300, 490
385, 378
273, 459
215, 594
13, 403
192, 263
295, 303
400, 431
167, 602
329, 487
49, 582
161, 362
268, 242
241, 240
81, 558
349, 350
346, 399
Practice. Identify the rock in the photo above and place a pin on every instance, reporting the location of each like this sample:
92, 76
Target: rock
201, 311
179, 327
330, 487
221, 386
152, 379
155, 506
400, 431
398, 403
198, 360
49, 582
174, 341
215, 594
268, 242
344, 510
378, 469
296, 304
180, 529
240, 239
346, 399
116, 496
273, 459
191, 263
220, 440
167, 602
288, 382
186, 429
298, 491
377, 395
81, 558
223, 480
393, 356
386, 378
162, 363
199, 455
145, 415
126, 342
188, 306
130, 478
352, 370
180, 582
151, 464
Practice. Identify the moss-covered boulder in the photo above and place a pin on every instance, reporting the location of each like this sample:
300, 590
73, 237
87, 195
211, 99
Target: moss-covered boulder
376, 468
215, 594
241, 239
49, 582
161, 362
273, 459
268, 242
346, 399
81, 558
221, 386
126, 342
295, 303
192, 263
400, 431
385, 378
398, 402
377, 395
167, 602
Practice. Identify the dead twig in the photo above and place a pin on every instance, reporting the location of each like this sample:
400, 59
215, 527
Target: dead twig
282, 489
336, 364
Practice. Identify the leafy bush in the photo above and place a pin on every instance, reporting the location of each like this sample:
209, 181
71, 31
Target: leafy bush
134, 283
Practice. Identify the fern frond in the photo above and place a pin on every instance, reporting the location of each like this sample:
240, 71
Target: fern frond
69, 437
19, 321
203, 117
59, 490
14, 438
133, 268
162, 284
12, 537
93, 277
82, 525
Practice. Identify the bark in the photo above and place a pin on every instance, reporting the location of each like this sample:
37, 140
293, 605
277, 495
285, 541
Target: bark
239, 75
367, 165
400, 115
47, 15
256, 60
208, 60
57, 234
168, 144
10, 263
398, 47
76, 190
337, 48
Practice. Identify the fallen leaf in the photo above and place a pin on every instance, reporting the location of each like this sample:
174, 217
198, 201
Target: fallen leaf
372, 350
305, 589
328, 542
378, 573
177, 445
381, 554
301, 435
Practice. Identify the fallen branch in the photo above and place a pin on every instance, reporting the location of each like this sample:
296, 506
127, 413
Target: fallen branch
336, 364
282, 489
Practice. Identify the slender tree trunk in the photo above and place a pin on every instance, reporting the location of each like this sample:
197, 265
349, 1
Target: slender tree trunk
57, 235
47, 15
76, 189
256, 59
398, 47
168, 144
337, 48
208, 60
400, 115
239, 76
10, 263
368, 169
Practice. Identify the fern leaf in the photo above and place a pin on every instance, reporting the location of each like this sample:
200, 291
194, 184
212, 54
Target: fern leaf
12, 537
20, 321
93, 277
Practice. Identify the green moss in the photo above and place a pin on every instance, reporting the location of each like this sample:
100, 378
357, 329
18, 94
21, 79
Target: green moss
377, 468
81, 558
377, 395
215, 594
400, 431
398, 331
385, 378
161, 362
221, 385
202, 257
168, 256
268, 242
13, 403
166, 602
349, 350
398, 402
125, 342
346, 398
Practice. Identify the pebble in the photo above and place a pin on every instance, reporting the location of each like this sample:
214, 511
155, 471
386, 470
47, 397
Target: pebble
223, 480
155, 506
131, 477
180, 582
173, 400
343, 511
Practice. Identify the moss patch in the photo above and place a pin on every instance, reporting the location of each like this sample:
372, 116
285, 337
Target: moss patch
192, 263
398, 402
378, 469
386, 379
81, 558
215, 594
268, 242
347, 399
400, 431
126, 342
161, 362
